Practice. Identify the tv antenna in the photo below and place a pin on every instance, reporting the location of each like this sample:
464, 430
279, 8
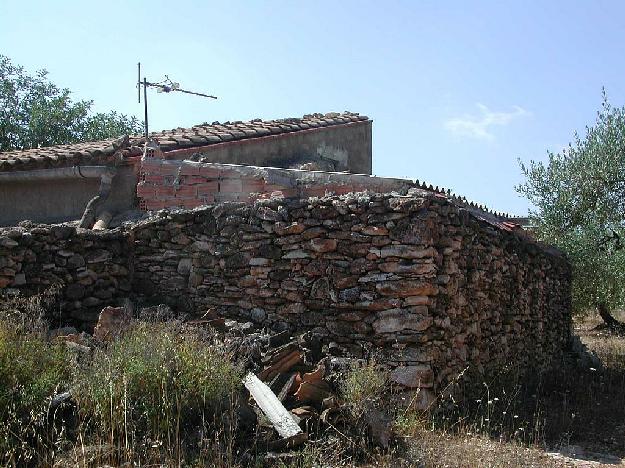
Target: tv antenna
164, 86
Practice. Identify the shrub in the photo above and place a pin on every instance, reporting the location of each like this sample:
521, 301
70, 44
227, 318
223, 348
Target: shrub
32, 371
363, 386
156, 385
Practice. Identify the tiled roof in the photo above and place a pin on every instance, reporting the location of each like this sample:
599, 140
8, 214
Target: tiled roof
99, 152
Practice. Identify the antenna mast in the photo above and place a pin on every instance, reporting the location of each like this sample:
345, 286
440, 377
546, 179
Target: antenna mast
165, 86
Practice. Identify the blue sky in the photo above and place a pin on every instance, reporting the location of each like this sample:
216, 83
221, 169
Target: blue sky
457, 90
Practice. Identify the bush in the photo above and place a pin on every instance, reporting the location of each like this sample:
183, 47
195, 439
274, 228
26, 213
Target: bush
32, 371
363, 386
156, 385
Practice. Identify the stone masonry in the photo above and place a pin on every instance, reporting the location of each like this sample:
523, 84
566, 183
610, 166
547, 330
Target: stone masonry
432, 287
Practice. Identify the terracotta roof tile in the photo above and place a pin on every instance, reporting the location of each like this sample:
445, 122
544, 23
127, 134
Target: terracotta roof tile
100, 152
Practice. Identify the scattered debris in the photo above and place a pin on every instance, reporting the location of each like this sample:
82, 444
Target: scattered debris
271, 407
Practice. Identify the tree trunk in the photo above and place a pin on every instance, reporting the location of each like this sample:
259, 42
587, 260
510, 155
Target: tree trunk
608, 319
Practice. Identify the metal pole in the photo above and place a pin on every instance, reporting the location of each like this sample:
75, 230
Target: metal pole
145, 100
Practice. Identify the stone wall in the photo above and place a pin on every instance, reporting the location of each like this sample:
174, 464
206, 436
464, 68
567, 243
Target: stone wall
430, 286
92, 268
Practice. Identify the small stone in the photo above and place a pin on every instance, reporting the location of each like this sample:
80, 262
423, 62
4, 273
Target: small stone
408, 267
8, 243
375, 231
76, 261
195, 279
184, 266
91, 302
267, 214
395, 320
75, 291
111, 322
313, 232
406, 288
258, 315
323, 245
295, 254
181, 239
293, 308
200, 246
283, 229
259, 261
420, 376
19, 279
349, 295
99, 256
407, 251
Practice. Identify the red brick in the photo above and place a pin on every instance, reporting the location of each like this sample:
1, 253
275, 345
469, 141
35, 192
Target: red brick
161, 169
189, 169
153, 179
145, 191
230, 196
253, 185
153, 205
273, 187
342, 189
150, 164
186, 191
210, 171
231, 186
164, 191
207, 188
230, 174
206, 199
314, 191
290, 192
194, 180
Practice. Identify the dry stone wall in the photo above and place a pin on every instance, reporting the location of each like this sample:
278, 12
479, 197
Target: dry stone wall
91, 268
427, 285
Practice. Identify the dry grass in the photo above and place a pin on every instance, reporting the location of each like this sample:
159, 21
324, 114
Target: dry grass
162, 393
575, 407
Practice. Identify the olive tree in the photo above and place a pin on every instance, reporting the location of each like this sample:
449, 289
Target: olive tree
35, 112
579, 199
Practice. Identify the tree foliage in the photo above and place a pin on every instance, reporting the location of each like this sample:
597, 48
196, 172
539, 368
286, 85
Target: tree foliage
35, 112
579, 195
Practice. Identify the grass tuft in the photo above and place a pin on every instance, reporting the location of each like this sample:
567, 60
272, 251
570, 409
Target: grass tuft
155, 387
32, 372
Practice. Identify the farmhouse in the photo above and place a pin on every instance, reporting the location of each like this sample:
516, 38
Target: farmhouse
55, 184
281, 224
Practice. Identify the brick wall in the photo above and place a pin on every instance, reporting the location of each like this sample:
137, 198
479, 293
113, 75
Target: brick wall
187, 184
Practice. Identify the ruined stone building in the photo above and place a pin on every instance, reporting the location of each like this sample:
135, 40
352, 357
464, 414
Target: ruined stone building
54, 184
281, 223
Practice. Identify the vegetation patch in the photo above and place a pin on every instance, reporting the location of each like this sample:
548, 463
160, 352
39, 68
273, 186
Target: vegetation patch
155, 389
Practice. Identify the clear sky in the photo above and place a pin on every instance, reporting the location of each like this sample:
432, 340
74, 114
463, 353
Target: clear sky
457, 90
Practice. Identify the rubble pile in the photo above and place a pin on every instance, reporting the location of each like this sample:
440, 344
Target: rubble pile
292, 381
